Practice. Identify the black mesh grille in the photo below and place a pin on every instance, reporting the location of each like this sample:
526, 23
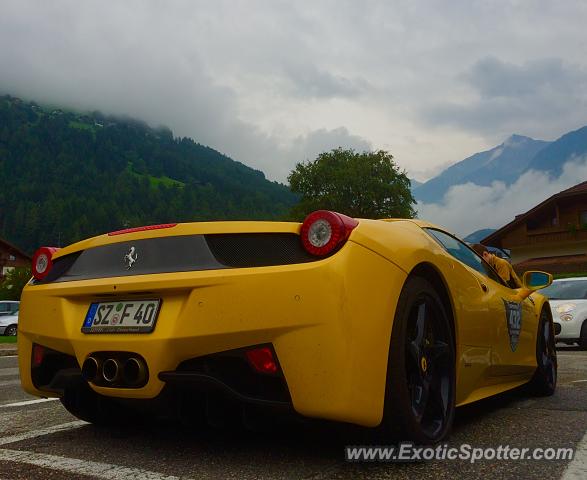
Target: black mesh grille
258, 249
180, 254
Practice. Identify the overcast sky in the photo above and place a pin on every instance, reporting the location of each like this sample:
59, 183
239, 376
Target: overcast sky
271, 83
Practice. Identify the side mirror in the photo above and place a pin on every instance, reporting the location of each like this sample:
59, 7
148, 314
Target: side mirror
535, 280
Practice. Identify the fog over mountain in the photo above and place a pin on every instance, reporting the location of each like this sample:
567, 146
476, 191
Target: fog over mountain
504, 163
274, 83
468, 207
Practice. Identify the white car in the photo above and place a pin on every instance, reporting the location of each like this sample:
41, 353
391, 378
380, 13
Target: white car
9, 324
568, 301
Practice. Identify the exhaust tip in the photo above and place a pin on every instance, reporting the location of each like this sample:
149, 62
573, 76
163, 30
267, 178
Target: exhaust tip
134, 371
90, 369
111, 370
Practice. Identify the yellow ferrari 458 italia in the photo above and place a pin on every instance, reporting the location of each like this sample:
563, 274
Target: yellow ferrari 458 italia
380, 323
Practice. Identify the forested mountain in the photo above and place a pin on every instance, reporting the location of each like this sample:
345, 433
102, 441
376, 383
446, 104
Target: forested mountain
65, 176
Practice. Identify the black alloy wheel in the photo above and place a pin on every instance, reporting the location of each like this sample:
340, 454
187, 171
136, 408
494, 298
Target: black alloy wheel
421, 381
543, 382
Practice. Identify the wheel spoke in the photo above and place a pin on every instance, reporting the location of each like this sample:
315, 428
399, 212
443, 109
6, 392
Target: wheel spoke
420, 396
420, 323
439, 393
415, 354
438, 350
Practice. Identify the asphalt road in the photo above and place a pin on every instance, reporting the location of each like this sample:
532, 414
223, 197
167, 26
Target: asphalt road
41, 440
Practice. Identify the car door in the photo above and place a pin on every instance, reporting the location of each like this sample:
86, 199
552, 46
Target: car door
476, 327
510, 324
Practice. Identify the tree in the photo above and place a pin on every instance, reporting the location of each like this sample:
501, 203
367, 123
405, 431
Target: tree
14, 282
364, 185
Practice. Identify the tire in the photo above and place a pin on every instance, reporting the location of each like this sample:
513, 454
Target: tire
543, 382
583, 340
11, 330
82, 402
421, 380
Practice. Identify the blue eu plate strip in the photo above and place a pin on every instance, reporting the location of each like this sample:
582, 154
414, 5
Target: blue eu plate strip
90, 315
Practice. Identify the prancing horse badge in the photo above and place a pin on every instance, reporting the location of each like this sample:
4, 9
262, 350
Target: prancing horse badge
131, 257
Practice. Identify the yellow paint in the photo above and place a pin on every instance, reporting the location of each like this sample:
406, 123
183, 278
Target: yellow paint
330, 321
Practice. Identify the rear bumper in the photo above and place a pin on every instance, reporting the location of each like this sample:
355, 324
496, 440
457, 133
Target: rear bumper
329, 322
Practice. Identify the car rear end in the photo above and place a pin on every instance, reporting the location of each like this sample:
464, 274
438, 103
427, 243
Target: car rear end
245, 310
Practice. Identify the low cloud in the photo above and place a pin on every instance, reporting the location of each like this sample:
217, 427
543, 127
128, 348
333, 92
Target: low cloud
136, 61
468, 207
508, 95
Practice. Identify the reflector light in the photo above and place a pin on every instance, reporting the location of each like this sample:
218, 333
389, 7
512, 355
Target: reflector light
38, 354
262, 360
324, 232
141, 229
42, 262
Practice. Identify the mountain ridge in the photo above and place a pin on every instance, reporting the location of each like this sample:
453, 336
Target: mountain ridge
504, 162
66, 176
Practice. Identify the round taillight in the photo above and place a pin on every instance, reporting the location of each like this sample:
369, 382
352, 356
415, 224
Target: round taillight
323, 232
43, 262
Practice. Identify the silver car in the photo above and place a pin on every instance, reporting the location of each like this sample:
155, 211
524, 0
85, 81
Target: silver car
568, 301
9, 317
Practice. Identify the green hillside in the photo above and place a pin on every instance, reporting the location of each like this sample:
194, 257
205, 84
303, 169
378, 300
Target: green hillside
66, 176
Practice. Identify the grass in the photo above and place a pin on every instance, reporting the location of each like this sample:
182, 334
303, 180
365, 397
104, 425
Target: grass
5, 339
167, 181
156, 181
81, 126
570, 275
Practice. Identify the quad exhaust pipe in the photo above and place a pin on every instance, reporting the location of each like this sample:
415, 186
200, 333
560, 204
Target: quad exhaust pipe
111, 370
134, 371
91, 368
116, 372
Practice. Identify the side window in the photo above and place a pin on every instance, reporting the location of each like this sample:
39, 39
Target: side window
4, 308
14, 307
463, 253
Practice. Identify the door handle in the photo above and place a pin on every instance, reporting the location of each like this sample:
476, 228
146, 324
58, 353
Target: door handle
484, 287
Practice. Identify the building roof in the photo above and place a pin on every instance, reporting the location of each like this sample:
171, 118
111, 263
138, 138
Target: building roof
9, 246
494, 238
558, 264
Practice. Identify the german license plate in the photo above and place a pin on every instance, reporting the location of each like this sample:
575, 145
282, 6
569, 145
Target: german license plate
127, 316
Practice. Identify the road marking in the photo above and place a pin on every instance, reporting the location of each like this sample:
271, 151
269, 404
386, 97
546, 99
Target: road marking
43, 431
28, 402
8, 356
578, 381
577, 469
81, 467
7, 383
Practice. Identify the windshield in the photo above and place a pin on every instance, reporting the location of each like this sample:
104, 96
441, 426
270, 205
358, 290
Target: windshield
570, 290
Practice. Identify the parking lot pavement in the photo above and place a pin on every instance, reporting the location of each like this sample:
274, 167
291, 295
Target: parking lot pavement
39, 439
8, 349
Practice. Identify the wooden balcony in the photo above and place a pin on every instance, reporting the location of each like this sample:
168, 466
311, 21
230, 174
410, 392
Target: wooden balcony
544, 237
